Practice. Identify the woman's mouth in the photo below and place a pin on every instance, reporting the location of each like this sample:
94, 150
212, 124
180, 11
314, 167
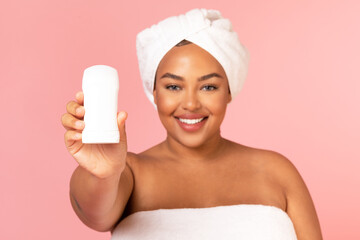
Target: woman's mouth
191, 123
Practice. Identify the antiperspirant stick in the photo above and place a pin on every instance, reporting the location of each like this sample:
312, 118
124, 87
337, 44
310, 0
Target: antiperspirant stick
100, 86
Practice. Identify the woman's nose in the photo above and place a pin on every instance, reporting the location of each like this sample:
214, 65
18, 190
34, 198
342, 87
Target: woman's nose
191, 101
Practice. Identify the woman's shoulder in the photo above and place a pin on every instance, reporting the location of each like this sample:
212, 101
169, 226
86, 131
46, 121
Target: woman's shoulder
273, 162
299, 205
134, 159
257, 153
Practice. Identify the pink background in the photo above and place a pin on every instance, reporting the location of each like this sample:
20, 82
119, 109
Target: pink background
301, 98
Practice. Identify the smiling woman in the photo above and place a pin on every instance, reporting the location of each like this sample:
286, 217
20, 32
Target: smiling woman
195, 184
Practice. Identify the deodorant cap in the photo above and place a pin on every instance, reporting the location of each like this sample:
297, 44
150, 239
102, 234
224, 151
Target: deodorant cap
100, 86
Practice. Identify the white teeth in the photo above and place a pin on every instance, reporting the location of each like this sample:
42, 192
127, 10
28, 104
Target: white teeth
190, 121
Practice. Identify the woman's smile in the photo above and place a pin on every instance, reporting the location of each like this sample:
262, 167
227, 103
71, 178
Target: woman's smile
191, 122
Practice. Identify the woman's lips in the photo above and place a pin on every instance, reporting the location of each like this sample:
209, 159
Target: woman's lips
191, 123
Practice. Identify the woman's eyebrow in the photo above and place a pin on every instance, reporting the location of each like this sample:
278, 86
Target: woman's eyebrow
202, 78
208, 76
173, 76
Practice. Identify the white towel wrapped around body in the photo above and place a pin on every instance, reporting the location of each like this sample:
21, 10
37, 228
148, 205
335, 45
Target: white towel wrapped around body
243, 221
205, 28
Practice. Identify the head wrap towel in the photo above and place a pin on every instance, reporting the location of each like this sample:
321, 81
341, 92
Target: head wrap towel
205, 28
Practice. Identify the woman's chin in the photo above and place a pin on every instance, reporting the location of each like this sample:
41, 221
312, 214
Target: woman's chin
192, 141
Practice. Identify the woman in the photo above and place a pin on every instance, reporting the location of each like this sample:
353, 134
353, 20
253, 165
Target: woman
195, 184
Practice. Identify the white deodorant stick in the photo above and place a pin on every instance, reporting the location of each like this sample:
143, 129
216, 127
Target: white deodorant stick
100, 86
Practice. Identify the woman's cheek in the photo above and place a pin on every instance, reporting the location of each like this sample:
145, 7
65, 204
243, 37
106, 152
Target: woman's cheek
217, 105
166, 102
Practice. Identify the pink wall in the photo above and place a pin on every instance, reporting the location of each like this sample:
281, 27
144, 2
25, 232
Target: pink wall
301, 99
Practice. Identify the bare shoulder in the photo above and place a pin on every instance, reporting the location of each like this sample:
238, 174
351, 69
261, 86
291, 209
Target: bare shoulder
283, 170
131, 159
132, 162
135, 158
270, 161
278, 166
135, 161
300, 206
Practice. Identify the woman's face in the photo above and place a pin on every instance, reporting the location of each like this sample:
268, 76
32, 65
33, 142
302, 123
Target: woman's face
191, 94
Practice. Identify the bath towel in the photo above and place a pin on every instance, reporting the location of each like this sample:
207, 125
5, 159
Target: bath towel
244, 221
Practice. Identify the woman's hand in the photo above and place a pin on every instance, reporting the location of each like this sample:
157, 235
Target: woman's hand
101, 160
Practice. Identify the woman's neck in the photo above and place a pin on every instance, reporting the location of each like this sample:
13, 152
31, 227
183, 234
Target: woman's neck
208, 151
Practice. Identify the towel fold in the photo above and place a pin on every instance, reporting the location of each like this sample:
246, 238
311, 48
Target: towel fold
244, 221
205, 28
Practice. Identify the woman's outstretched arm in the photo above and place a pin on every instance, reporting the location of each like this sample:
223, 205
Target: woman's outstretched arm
102, 183
100, 202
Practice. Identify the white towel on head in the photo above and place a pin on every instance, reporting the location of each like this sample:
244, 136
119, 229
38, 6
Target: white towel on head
205, 28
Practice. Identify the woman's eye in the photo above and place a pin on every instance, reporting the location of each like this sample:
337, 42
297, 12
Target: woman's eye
173, 87
209, 88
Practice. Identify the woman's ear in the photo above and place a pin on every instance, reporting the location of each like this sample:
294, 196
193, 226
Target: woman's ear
229, 97
154, 94
154, 90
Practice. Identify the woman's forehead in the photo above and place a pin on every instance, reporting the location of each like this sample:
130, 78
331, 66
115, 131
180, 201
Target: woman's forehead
189, 56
